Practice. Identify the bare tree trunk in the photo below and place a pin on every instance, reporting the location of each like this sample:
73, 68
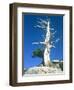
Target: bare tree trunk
46, 57
47, 47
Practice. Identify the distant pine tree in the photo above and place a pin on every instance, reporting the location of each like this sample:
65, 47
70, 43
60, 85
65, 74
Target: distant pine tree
38, 53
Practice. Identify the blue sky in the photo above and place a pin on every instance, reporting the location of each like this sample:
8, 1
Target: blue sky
33, 34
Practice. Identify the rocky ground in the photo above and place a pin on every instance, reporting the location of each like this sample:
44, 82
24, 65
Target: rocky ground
54, 68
